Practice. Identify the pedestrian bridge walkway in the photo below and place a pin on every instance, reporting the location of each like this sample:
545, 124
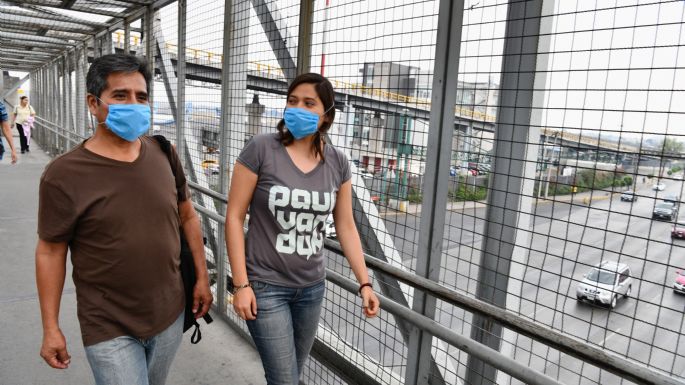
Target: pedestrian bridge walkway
471, 293
222, 357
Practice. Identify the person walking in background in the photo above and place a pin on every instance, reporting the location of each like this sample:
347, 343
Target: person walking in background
291, 181
116, 204
7, 132
22, 112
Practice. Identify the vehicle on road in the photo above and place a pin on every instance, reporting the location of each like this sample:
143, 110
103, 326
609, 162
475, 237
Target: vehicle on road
210, 165
679, 284
659, 187
329, 228
665, 210
629, 196
365, 173
672, 198
678, 230
605, 283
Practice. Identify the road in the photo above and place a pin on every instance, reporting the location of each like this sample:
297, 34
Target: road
566, 241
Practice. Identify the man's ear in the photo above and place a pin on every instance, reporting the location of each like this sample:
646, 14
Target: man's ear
93, 103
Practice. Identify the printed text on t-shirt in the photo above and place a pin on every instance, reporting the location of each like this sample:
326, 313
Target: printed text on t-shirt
301, 214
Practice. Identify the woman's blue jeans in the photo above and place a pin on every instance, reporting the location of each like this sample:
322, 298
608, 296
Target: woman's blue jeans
285, 328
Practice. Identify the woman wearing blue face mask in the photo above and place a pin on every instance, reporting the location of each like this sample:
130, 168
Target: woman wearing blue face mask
291, 181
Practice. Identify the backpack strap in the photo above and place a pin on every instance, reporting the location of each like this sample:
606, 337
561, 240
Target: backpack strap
186, 260
165, 144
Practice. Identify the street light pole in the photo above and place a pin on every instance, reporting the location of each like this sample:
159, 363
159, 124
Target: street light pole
323, 36
549, 168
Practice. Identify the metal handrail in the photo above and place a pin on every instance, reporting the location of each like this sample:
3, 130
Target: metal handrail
54, 128
580, 349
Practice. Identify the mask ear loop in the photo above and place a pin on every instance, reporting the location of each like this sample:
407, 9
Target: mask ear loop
92, 122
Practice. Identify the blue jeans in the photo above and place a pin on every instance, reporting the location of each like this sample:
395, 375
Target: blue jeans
128, 360
285, 328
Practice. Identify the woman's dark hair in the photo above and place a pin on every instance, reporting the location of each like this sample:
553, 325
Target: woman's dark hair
324, 89
102, 67
23, 97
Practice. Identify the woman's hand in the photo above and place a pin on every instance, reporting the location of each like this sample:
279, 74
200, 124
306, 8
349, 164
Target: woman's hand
245, 304
370, 302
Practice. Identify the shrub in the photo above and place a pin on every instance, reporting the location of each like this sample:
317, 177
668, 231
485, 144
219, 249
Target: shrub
414, 196
468, 193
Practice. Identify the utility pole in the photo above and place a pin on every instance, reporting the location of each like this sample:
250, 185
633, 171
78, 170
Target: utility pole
549, 168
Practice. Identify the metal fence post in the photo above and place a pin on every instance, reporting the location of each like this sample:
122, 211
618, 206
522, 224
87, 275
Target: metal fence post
304, 37
127, 37
233, 87
80, 86
512, 178
181, 80
420, 367
149, 53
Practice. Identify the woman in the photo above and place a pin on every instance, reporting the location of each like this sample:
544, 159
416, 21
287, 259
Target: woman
291, 181
22, 112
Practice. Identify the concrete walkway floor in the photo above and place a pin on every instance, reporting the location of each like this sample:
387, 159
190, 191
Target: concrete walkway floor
222, 357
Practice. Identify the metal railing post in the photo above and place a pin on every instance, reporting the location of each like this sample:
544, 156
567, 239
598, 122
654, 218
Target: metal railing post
421, 368
232, 137
181, 80
304, 37
511, 185
127, 37
148, 21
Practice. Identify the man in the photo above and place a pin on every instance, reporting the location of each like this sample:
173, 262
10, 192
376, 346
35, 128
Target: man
7, 131
114, 203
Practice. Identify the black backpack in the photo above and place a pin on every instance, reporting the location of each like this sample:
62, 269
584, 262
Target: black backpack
187, 266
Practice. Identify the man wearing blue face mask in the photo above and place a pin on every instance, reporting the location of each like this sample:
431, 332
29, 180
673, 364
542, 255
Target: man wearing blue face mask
115, 203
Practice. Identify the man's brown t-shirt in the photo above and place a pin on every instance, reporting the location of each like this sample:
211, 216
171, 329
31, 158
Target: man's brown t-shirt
121, 222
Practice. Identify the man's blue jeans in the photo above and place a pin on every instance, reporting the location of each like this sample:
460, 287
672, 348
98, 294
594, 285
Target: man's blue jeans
128, 360
285, 328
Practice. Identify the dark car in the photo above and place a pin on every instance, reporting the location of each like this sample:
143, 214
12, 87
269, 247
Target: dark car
628, 196
678, 230
665, 210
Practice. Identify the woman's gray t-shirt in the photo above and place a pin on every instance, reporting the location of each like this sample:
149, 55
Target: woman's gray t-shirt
288, 212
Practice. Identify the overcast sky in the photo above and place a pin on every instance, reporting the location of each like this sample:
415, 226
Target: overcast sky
641, 87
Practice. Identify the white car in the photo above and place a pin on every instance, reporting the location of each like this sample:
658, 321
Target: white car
605, 283
329, 228
659, 187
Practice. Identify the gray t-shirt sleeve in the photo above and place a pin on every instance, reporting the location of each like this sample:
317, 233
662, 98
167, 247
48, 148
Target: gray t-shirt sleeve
345, 172
252, 155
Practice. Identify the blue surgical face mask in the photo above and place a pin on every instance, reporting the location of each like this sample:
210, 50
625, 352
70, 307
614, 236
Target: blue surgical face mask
301, 122
128, 121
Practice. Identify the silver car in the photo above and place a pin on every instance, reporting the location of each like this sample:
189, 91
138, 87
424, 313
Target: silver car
605, 283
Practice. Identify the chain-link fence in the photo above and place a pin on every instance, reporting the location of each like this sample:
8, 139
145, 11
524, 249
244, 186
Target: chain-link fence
524, 156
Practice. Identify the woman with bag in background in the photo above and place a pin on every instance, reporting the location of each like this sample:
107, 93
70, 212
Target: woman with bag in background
23, 117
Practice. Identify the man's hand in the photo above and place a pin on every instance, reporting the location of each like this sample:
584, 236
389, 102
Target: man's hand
202, 298
14, 155
54, 349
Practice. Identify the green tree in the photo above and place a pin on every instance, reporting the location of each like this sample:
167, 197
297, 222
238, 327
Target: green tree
671, 146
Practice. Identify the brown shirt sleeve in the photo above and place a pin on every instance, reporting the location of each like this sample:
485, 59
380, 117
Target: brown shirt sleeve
56, 213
